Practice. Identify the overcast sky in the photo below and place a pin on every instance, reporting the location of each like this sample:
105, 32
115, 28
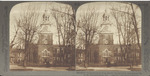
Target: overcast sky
17, 9
99, 6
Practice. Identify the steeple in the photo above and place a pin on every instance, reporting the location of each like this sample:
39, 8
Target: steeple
45, 25
106, 24
45, 35
46, 17
106, 17
106, 35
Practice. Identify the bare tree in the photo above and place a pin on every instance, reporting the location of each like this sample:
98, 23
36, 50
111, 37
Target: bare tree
87, 28
17, 23
27, 25
128, 32
135, 24
65, 24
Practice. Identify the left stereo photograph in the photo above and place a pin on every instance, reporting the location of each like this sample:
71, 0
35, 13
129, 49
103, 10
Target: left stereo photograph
42, 37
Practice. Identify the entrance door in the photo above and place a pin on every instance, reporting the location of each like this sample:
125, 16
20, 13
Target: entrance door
106, 57
46, 57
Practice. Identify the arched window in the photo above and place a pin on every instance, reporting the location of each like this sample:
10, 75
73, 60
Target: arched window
106, 53
45, 53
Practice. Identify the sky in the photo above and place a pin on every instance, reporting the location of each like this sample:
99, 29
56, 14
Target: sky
16, 10
99, 6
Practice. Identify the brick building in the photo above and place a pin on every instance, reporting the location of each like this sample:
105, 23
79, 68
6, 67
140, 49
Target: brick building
49, 53
44, 52
106, 52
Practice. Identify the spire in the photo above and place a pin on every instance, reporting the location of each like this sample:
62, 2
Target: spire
45, 25
106, 15
46, 16
106, 23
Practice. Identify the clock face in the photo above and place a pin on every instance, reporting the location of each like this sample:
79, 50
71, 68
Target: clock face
105, 41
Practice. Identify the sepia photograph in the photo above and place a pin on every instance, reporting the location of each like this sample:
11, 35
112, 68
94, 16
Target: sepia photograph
42, 37
53, 36
108, 37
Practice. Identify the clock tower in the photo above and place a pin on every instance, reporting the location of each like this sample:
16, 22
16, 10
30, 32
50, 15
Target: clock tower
105, 40
45, 35
45, 41
106, 36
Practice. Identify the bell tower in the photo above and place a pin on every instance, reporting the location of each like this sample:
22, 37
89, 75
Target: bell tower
45, 41
106, 36
45, 35
105, 39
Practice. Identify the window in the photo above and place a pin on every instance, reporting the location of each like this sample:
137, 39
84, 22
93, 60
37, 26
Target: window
45, 53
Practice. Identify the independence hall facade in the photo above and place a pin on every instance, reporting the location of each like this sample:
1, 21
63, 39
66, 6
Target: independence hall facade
106, 53
45, 53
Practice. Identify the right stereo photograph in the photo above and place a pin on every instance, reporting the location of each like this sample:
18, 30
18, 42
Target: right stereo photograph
108, 37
